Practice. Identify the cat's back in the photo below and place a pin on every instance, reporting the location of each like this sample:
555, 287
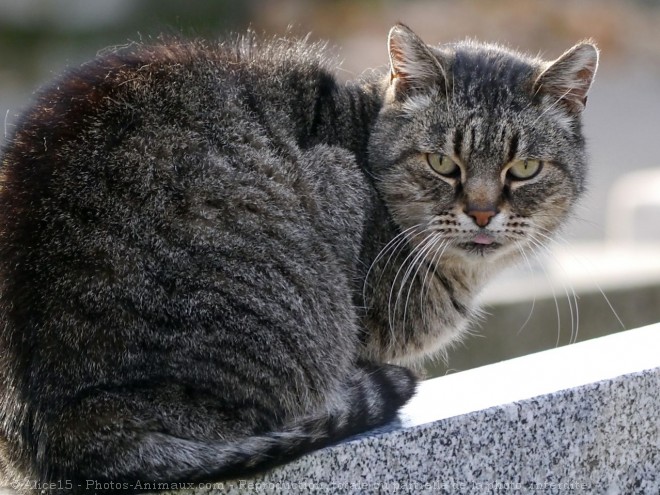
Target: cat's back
191, 85
160, 188
145, 128
138, 131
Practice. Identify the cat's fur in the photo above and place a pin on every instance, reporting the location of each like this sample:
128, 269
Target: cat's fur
196, 280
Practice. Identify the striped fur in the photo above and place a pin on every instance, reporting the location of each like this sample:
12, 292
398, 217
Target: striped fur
200, 267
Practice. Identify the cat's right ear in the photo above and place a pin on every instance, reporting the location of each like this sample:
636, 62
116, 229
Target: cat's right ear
569, 78
413, 66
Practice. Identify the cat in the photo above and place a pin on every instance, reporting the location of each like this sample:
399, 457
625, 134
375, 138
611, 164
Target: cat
217, 257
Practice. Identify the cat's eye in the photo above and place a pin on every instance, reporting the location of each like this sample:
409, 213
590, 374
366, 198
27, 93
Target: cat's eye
442, 164
524, 169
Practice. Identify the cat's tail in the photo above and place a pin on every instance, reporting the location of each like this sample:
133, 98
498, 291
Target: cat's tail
373, 399
156, 461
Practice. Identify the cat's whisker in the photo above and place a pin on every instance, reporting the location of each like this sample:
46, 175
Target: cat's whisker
410, 261
572, 302
390, 244
434, 263
419, 262
586, 265
536, 244
551, 240
447, 93
439, 250
523, 254
419, 252
399, 249
397, 240
598, 226
7, 122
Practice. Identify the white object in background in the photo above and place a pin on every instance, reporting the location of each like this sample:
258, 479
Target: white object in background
630, 193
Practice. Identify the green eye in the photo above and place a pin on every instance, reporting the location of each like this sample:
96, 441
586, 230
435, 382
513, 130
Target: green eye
525, 169
442, 165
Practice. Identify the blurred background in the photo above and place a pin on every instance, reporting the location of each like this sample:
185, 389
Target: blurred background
602, 275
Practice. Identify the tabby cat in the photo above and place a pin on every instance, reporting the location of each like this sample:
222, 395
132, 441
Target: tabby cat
216, 257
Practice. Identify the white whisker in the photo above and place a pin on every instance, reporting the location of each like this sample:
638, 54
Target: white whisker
573, 311
434, 266
417, 261
574, 326
596, 284
6, 124
521, 249
394, 243
552, 288
390, 310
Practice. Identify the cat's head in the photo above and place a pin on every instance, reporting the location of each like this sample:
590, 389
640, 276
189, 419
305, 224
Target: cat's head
479, 146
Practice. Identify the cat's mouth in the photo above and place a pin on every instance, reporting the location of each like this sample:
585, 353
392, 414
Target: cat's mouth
481, 244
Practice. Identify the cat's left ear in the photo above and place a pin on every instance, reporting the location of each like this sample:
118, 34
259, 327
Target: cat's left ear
569, 78
413, 66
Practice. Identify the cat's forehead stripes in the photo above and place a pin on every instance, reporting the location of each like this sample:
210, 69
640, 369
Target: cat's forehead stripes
514, 142
458, 141
492, 144
489, 78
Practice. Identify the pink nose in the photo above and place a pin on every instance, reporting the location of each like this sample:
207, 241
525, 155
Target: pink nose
482, 217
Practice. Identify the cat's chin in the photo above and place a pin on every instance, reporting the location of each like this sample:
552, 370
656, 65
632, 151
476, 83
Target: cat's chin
495, 252
480, 249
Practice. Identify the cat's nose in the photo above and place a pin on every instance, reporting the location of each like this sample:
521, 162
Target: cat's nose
481, 216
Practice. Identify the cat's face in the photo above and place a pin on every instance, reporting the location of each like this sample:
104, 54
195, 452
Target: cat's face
478, 150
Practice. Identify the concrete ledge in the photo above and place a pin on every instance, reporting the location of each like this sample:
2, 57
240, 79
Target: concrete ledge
578, 419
